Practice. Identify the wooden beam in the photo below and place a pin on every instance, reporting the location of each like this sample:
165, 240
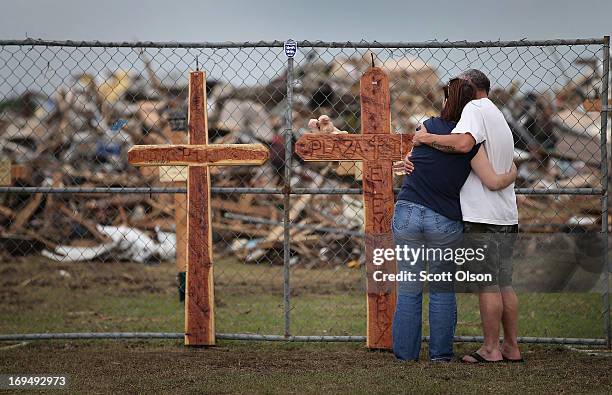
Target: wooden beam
198, 155
236, 207
87, 224
378, 202
352, 147
180, 219
10, 173
21, 172
24, 214
178, 175
199, 292
6, 212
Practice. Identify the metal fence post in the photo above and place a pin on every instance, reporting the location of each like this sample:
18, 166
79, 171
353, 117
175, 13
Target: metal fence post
288, 136
604, 185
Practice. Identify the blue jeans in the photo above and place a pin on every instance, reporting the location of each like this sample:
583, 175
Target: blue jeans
419, 227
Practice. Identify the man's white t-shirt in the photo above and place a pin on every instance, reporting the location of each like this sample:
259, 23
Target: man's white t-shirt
486, 123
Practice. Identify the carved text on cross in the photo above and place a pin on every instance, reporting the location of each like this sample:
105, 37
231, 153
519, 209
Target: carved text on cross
197, 155
353, 147
377, 148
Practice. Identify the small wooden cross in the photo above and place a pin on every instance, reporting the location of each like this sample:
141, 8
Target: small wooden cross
377, 148
198, 155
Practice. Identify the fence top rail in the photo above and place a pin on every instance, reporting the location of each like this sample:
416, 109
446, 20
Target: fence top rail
305, 43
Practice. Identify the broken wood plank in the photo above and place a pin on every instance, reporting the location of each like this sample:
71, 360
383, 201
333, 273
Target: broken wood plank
25, 213
7, 212
87, 224
48, 243
241, 228
234, 207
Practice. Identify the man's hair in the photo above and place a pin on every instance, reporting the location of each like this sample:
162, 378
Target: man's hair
478, 78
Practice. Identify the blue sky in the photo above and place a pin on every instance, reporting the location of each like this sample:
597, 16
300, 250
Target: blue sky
226, 20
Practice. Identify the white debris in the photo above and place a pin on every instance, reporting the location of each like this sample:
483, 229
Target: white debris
127, 244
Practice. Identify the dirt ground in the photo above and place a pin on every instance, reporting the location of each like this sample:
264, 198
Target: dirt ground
255, 367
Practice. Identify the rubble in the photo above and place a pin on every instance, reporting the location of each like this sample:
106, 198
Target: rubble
79, 136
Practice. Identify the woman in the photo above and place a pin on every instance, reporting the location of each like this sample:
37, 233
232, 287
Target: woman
428, 216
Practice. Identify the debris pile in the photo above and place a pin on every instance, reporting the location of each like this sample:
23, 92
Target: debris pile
557, 145
79, 137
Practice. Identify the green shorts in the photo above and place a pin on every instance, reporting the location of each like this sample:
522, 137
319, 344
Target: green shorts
498, 242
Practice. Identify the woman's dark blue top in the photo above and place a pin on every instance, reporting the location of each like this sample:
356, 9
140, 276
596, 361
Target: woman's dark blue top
438, 176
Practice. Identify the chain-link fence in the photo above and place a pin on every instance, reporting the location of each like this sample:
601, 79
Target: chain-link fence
89, 242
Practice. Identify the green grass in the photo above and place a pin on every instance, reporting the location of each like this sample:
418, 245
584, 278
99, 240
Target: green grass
132, 297
41, 296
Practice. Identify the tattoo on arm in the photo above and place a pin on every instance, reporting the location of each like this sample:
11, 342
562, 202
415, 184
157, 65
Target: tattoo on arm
444, 148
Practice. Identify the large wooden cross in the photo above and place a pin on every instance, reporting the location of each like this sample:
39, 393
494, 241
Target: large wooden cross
377, 148
198, 155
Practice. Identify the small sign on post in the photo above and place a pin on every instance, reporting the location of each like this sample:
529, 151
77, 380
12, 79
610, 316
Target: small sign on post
290, 48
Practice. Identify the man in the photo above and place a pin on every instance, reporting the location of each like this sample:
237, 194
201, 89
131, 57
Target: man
493, 213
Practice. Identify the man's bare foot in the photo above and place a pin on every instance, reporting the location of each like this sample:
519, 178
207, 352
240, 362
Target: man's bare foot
491, 355
510, 351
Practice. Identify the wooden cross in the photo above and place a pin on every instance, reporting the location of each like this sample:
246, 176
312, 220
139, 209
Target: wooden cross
377, 148
198, 155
